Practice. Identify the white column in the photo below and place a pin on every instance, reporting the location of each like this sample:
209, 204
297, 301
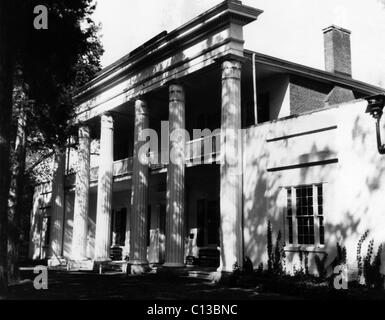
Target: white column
57, 205
80, 222
175, 181
139, 196
126, 250
105, 183
231, 168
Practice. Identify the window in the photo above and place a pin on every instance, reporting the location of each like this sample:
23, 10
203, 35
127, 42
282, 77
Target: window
305, 220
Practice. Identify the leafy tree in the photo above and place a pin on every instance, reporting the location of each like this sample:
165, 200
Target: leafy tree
48, 65
6, 87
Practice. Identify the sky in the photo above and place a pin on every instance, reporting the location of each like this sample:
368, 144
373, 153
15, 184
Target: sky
288, 29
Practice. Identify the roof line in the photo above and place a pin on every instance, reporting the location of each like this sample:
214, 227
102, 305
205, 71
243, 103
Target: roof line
300, 69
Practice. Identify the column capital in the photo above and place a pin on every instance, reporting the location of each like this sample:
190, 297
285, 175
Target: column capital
107, 120
231, 69
84, 131
176, 92
141, 107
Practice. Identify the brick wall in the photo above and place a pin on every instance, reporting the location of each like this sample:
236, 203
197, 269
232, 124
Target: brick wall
306, 95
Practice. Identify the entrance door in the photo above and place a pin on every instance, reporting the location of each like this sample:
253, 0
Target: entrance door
208, 223
118, 233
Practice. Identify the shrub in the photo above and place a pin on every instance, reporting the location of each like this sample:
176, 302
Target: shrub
247, 266
269, 247
276, 262
260, 269
340, 259
371, 269
359, 257
321, 266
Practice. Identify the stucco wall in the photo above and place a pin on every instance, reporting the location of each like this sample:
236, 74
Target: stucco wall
353, 188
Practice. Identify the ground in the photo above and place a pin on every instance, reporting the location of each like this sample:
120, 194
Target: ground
87, 285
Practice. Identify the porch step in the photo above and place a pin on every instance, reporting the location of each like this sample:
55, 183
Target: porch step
84, 265
201, 274
57, 263
209, 257
115, 266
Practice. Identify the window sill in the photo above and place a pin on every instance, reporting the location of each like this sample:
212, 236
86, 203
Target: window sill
306, 248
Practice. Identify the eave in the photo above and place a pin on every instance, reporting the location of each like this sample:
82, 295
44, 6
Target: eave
317, 74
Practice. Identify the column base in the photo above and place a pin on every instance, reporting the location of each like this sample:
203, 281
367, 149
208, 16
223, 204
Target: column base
55, 261
221, 276
80, 264
138, 267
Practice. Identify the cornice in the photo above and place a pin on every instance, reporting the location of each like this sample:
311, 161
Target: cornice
165, 44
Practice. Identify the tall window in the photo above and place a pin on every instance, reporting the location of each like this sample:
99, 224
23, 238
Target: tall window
305, 218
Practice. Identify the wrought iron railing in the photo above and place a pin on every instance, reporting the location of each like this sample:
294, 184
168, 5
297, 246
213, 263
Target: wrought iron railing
205, 149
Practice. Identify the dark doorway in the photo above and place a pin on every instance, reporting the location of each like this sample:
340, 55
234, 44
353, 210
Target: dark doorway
208, 217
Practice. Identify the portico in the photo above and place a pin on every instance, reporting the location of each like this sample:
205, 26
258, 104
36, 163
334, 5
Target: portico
134, 90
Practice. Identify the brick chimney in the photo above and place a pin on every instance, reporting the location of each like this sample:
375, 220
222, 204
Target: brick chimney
337, 50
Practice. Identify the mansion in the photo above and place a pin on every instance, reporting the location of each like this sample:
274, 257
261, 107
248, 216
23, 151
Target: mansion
306, 159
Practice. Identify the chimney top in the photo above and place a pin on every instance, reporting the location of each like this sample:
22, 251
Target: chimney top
337, 50
334, 27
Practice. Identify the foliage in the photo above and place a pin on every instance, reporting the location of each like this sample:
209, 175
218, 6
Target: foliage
247, 266
236, 269
359, 257
371, 269
340, 259
304, 264
277, 258
48, 65
260, 268
269, 247
321, 265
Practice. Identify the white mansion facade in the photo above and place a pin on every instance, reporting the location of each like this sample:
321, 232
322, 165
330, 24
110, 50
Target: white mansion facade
307, 156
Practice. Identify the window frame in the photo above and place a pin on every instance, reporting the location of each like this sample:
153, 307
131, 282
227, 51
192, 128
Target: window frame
317, 217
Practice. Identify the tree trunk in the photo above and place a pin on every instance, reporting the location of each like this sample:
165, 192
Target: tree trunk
15, 201
6, 87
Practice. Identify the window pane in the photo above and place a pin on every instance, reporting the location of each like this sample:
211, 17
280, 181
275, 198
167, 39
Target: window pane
321, 231
307, 230
290, 222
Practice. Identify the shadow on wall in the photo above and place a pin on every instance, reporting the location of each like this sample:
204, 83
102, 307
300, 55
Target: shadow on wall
353, 194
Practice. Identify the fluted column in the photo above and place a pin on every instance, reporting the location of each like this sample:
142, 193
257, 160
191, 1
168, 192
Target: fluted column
80, 222
231, 168
57, 205
139, 195
105, 182
175, 180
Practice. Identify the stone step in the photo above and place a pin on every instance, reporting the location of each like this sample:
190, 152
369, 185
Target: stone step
198, 274
84, 265
57, 262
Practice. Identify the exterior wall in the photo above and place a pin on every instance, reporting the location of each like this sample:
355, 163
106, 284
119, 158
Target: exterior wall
354, 187
306, 95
